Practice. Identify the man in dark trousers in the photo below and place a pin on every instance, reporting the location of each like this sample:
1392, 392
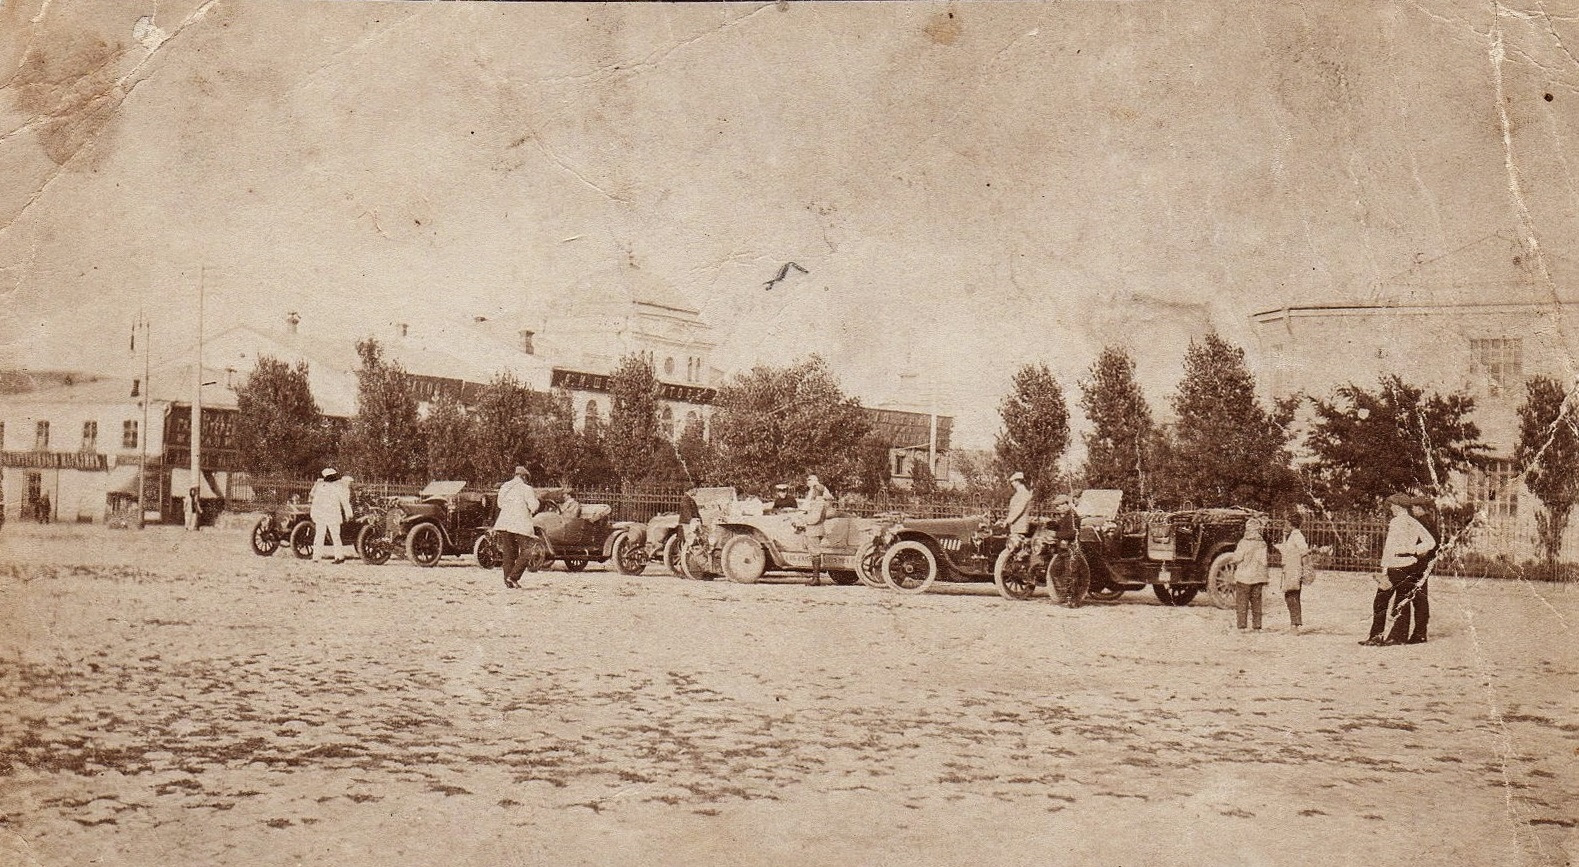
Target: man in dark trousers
1407, 539
1412, 608
513, 530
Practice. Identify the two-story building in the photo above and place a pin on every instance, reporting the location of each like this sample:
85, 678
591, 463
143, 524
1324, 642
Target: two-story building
1477, 321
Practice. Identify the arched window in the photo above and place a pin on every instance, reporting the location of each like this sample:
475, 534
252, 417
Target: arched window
594, 420
668, 366
666, 423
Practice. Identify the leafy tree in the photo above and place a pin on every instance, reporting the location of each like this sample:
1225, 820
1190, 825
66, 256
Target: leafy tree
448, 437
774, 423
507, 429
631, 436
697, 455
383, 442
1119, 445
871, 459
279, 428
1035, 430
1548, 455
1368, 444
922, 482
1226, 448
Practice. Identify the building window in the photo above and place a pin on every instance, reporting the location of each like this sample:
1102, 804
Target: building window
1494, 490
594, 419
526, 343
129, 435
2, 439
1497, 363
90, 436
41, 437
137, 387
667, 422
668, 366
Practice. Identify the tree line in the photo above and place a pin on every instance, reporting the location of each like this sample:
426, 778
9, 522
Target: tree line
1224, 445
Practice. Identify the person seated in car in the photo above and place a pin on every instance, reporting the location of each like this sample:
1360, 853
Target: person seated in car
783, 500
569, 506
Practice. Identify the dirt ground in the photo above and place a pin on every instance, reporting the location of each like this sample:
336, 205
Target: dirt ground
171, 698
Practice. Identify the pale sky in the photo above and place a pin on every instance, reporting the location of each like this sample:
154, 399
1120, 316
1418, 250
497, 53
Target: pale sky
970, 186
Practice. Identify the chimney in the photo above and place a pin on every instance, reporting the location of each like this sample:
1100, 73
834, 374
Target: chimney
291, 321
526, 343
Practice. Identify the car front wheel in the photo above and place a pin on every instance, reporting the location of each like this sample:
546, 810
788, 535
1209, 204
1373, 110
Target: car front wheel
630, 556
869, 563
671, 555
373, 544
425, 545
910, 567
487, 553
1173, 594
1013, 577
534, 552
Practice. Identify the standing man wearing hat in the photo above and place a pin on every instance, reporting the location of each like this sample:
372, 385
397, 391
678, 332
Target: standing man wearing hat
329, 506
1412, 609
817, 506
1018, 521
1406, 540
513, 528
1066, 529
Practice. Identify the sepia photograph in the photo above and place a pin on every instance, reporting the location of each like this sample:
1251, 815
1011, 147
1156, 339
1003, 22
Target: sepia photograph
1121, 432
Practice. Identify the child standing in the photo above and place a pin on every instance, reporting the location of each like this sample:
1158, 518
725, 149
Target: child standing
1250, 574
1296, 568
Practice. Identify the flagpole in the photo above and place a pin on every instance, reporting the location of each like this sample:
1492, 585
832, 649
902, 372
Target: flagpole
142, 433
195, 484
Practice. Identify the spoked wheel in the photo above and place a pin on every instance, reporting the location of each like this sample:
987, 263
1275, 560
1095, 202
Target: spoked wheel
869, 563
696, 562
630, 555
671, 555
534, 552
1079, 580
264, 540
575, 564
302, 540
487, 553
909, 567
844, 578
425, 545
1013, 576
1174, 594
373, 544
1220, 580
744, 561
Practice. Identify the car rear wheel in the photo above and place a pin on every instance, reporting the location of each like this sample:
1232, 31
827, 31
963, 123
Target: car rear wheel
1105, 593
373, 544
302, 540
264, 540
1220, 580
671, 555
1013, 577
425, 545
1172, 594
487, 553
909, 567
744, 561
575, 564
869, 563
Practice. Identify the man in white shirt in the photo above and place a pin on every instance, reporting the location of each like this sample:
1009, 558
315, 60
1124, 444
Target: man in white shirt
1018, 521
1407, 539
329, 506
513, 529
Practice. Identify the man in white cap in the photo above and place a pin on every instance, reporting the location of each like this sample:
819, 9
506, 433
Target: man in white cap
330, 506
817, 507
1018, 521
513, 529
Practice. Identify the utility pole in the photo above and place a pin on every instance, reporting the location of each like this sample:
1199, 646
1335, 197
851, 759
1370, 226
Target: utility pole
142, 433
195, 484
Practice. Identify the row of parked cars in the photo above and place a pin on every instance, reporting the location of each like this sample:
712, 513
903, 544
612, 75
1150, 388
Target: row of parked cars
1177, 554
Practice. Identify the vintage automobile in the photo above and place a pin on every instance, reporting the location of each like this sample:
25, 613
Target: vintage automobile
577, 534
291, 524
444, 519
1178, 554
653, 542
748, 546
918, 551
